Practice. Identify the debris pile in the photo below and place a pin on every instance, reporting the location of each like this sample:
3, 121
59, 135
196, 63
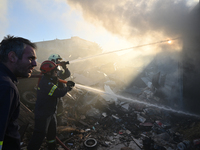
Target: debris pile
94, 121
108, 114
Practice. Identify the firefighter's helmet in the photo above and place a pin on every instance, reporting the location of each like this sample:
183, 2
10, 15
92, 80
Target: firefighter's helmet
47, 66
54, 57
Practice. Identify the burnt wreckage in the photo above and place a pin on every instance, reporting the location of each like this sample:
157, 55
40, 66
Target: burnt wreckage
158, 110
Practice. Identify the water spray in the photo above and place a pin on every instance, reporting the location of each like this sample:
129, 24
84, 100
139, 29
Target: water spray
89, 57
126, 99
136, 101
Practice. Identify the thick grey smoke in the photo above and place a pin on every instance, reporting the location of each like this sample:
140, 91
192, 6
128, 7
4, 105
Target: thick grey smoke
131, 18
155, 19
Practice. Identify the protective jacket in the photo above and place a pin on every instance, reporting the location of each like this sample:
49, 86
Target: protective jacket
48, 93
9, 109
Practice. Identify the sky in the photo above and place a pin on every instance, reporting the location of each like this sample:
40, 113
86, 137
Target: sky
112, 24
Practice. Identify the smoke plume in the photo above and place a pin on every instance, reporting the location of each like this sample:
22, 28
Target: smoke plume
136, 19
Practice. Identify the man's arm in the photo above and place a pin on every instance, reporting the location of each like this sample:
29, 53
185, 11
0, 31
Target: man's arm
52, 89
64, 74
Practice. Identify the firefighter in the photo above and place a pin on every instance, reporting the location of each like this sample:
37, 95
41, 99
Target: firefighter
17, 59
63, 73
48, 92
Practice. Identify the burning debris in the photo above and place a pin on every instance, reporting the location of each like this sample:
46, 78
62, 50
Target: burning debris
127, 106
101, 125
103, 115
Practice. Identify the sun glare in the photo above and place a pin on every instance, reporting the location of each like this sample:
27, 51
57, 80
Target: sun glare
169, 42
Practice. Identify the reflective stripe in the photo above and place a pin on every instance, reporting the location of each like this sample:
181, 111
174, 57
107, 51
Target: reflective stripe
59, 114
51, 141
63, 72
52, 90
1, 143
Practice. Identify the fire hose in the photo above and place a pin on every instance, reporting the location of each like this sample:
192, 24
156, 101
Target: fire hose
39, 76
61, 143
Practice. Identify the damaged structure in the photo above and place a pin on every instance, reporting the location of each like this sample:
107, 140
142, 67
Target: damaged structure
158, 109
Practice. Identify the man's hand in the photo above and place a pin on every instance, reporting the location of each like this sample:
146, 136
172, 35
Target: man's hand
70, 85
63, 64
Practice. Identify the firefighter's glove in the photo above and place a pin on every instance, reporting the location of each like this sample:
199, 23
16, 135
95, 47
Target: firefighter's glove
63, 64
70, 85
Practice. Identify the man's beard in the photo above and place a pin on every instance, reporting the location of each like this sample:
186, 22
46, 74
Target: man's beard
21, 72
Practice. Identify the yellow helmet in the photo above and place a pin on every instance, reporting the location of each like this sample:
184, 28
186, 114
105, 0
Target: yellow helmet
54, 57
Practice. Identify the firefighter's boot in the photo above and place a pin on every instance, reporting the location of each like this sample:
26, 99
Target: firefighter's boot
51, 146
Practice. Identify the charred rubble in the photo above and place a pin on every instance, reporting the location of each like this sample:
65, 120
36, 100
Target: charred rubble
99, 121
135, 119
